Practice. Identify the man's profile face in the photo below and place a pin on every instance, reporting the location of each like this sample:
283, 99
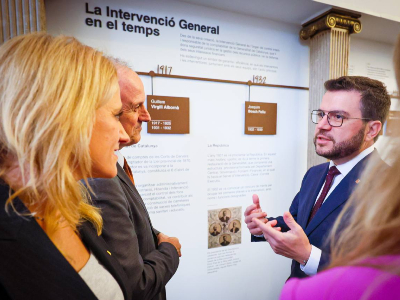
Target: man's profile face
215, 228
134, 111
340, 142
224, 213
234, 224
224, 237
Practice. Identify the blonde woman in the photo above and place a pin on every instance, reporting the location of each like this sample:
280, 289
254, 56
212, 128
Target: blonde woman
366, 254
59, 110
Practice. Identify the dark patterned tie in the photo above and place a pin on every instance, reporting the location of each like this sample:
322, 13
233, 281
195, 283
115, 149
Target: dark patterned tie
128, 171
333, 171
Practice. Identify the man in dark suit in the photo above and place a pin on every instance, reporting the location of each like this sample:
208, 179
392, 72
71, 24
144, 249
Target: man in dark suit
224, 217
149, 258
348, 121
234, 229
224, 241
215, 232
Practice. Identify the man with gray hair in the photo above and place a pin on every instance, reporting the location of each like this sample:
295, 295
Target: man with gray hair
149, 257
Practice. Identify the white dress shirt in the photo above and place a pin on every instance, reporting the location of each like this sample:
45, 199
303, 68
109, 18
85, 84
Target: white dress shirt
120, 158
315, 256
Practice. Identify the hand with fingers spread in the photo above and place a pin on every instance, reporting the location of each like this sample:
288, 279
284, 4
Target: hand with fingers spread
254, 211
293, 244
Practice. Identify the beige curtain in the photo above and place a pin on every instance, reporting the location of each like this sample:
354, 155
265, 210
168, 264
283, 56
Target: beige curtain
21, 16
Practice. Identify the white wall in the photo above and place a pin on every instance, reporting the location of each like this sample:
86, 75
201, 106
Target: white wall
375, 60
372, 59
389, 9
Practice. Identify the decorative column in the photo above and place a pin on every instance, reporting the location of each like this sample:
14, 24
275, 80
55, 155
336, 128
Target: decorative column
329, 35
21, 16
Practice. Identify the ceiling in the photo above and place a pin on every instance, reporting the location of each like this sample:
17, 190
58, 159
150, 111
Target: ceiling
299, 11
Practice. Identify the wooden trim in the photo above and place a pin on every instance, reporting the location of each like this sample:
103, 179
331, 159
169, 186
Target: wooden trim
249, 83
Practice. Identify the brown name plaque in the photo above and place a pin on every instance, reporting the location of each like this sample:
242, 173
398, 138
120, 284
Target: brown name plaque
169, 115
260, 118
393, 123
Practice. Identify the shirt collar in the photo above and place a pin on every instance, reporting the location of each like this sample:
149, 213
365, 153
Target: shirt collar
121, 158
346, 167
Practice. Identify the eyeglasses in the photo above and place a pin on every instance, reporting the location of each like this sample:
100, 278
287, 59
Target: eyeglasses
335, 119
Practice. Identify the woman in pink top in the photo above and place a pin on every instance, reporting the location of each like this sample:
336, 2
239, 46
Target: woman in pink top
366, 255
349, 282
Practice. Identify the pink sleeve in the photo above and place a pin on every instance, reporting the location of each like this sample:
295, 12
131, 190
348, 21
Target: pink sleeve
289, 289
345, 283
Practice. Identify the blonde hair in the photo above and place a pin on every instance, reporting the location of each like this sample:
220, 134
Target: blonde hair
374, 207
50, 88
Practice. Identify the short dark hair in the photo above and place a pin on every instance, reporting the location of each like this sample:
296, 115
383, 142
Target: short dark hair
375, 99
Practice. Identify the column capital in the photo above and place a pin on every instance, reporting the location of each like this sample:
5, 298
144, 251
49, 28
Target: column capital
333, 18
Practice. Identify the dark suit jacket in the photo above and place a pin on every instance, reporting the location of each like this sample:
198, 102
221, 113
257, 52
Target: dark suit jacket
31, 267
224, 219
131, 236
319, 228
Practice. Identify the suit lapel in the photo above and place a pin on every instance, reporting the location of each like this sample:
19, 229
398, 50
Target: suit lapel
312, 194
124, 177
127, 181
340, 195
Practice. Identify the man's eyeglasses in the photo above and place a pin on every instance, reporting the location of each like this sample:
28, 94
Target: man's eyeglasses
335, 119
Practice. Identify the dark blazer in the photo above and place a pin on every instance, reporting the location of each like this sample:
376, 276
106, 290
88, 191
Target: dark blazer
319, 228
225, 243
224, 219
31, 267
131, 236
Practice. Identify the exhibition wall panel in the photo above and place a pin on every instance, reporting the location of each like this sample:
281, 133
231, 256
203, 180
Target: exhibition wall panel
189, 180
152, 33
216, 166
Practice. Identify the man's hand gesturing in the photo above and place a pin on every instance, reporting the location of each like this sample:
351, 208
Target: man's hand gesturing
293, 243
254, 211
